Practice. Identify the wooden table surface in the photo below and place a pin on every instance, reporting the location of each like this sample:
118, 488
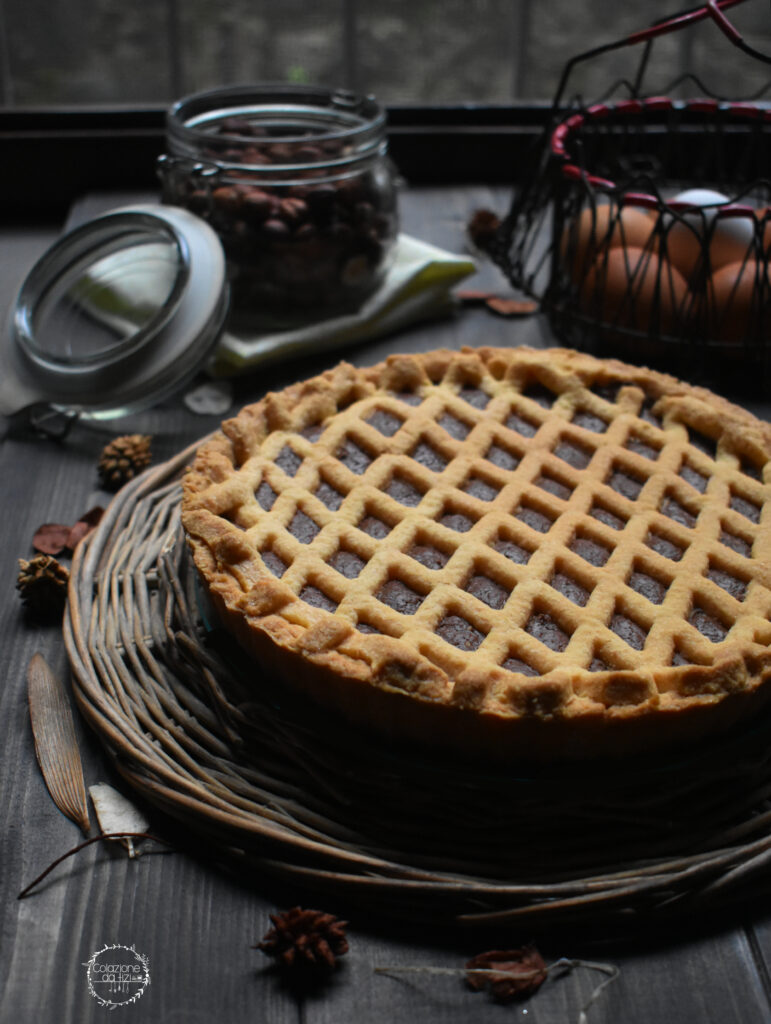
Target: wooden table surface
195, 923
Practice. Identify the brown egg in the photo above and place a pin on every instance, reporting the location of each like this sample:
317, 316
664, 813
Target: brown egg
596, 228
632, 287
737, 301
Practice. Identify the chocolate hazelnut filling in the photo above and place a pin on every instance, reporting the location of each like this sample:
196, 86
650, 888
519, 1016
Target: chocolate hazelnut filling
353, 456
303, 528
630, 631
625, 483
589, 421
570, 589
575, 455
404, 491
265, 496
487, 590
475, 396
707, 624
552, 486
646, 585
274, 562
331, 497
429, 457
456, 521
590, 550
664, 547
317, 598
746, 508
385, 422
735, 587
522, 426
640, 447
429, 556
502, 458
511, 550
479, 488
673, 509
460, 633
400, 597
521, 667
455, 428
737, 544
542, 627
347, 563
288, 460
693, 477
533, 518
374, 527
606, 517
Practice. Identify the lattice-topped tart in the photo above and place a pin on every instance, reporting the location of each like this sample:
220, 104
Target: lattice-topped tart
505, 553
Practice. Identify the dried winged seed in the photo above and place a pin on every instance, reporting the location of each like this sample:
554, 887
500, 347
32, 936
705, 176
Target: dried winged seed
56, 745
519, 972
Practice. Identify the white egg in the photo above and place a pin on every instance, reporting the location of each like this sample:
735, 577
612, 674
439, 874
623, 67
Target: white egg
701, 197
685, 233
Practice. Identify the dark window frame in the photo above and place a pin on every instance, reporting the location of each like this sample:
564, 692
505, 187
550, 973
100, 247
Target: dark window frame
50, 157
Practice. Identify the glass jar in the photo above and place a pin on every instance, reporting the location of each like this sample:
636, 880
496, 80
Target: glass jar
297, 184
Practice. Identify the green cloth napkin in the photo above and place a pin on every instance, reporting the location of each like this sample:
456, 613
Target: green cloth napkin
417, 287
125, 293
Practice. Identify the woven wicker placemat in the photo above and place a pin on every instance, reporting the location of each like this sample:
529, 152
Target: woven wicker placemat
200, 732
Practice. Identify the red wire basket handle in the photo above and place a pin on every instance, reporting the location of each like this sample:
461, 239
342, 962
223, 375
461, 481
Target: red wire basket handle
713, 10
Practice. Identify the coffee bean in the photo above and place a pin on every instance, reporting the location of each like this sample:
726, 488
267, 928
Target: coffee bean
276, 229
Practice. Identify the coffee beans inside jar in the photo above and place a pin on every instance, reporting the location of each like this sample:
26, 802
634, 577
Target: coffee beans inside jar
299, 188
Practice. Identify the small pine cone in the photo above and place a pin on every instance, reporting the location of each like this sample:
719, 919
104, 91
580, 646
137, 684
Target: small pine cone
305, 938
122, 459
42, 583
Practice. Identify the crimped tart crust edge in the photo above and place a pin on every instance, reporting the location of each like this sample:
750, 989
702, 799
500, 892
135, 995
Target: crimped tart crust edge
383, 683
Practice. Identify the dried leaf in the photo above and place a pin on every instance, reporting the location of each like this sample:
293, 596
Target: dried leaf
473, 296
56, 745
518, 972
84, 526
512, 307
116, 813
51, 538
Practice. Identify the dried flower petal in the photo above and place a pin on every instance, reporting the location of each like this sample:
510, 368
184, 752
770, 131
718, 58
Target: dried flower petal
519, 972
51, 538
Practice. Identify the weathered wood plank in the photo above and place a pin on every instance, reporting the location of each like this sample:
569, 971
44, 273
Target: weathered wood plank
195, 923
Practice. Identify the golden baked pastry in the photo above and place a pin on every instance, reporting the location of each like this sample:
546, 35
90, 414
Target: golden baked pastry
508, 553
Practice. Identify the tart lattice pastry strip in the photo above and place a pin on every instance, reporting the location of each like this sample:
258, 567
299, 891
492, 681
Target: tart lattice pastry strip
546, 530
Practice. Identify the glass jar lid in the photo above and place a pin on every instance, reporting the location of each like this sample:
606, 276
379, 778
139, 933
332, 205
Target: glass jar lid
116, 315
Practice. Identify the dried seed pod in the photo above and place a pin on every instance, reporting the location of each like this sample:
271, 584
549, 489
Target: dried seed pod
305, 938
42, 583
122, 459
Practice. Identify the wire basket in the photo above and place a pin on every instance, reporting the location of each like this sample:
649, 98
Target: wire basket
645, 227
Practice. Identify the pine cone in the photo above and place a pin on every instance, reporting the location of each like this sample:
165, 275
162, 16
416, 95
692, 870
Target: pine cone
122, 459
305, 938
42, 584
